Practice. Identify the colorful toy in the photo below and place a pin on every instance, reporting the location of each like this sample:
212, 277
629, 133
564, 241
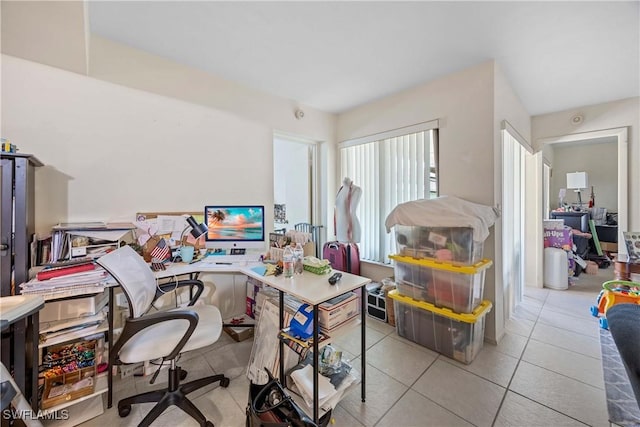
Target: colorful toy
615, 292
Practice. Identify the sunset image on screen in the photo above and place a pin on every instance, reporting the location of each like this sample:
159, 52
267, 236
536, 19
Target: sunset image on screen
236, 223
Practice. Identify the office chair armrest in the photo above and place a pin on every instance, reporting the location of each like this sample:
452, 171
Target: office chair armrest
133, 326
169, 286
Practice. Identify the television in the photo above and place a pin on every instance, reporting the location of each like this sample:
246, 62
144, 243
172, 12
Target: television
575, 220
234, 227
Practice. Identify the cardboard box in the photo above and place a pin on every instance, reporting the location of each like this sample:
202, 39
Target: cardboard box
68, 386
81, 307
239, 334
253, 288
338, 310
592, 268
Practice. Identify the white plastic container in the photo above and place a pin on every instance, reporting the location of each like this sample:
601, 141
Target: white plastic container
556, 269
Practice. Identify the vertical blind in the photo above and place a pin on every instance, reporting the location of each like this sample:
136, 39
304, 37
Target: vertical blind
390, 171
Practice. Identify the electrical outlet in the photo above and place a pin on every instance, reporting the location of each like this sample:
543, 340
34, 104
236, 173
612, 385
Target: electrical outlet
121, 300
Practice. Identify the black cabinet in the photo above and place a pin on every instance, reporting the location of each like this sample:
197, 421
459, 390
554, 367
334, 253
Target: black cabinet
17, 220
17, 226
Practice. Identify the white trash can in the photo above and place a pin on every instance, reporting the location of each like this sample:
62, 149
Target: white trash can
556, 269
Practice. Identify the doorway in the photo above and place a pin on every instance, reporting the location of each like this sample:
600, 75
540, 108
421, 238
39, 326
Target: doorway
516, 154
295, 180
618, 139
621, 138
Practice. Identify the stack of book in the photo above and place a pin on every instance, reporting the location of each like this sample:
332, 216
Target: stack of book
69, 278
66, 268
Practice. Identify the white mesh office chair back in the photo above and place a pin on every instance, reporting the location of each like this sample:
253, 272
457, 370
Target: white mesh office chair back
163, 334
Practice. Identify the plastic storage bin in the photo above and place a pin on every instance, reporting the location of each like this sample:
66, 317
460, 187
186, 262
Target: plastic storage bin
458, 336
455, 286
445, 243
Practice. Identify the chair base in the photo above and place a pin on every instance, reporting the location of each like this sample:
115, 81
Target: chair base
175, 395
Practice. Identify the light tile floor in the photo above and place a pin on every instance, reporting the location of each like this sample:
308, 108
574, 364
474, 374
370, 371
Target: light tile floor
546, 371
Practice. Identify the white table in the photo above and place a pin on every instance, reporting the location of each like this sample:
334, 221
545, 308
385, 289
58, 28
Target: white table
14, 310
311, 288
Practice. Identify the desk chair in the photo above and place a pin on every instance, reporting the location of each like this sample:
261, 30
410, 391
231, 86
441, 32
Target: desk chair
314, 230
165, 334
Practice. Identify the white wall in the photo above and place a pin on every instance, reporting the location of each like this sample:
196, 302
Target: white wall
124, 65
48, 32
125, 150
508, 107
291, 179
599, 160
616, 114
463, 104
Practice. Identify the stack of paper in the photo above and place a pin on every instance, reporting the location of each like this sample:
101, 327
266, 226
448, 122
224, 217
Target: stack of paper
304, 381
65, 330
86, 282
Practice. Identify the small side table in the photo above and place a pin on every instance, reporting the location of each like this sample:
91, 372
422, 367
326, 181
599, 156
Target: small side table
624, 268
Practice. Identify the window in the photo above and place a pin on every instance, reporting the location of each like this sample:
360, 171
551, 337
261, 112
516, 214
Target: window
391, 168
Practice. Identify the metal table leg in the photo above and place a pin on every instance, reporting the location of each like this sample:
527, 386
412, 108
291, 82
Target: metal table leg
110, 338
316, 327
363, 339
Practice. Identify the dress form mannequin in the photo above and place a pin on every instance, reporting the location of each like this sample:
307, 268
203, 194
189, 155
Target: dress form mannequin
347, 225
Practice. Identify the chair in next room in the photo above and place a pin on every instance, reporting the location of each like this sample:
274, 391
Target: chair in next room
160, 335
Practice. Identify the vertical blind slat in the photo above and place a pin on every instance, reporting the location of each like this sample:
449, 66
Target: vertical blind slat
390, 172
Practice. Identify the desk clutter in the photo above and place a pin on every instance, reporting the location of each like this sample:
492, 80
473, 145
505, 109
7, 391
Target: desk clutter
336, 374
66, 369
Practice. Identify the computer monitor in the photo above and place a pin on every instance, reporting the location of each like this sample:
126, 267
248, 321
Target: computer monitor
235, 227
575, 220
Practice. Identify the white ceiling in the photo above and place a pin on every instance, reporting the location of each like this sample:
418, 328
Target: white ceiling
334, 56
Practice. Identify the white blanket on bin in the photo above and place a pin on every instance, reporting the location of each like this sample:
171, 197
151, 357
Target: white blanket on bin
445, 211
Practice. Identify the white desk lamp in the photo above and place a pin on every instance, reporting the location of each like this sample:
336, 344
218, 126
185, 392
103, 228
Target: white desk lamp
577, 181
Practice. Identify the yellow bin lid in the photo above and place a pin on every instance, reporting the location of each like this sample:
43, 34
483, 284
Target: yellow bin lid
483, 308
443, 265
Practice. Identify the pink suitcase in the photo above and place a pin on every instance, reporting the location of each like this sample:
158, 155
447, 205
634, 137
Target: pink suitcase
342, 256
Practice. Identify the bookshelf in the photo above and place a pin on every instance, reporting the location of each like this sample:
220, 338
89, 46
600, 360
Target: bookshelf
91, 326
89, 239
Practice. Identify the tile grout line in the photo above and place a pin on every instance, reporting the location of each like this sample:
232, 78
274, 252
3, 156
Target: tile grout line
508, 387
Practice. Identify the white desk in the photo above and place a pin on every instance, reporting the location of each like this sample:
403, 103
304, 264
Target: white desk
14, 311
311, 288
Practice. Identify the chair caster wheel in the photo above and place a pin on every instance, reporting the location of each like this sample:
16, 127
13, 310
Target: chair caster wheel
183, 374
224, 382
209, 424
124, 411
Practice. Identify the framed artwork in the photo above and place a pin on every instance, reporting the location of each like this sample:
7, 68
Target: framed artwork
280, 214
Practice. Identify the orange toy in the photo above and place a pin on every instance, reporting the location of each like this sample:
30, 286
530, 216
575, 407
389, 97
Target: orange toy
615, 292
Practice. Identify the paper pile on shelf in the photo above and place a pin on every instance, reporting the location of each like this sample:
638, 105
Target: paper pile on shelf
86, 282
329, 394
65, 330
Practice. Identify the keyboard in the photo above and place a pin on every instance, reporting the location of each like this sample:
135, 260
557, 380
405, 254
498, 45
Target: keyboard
230, 259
